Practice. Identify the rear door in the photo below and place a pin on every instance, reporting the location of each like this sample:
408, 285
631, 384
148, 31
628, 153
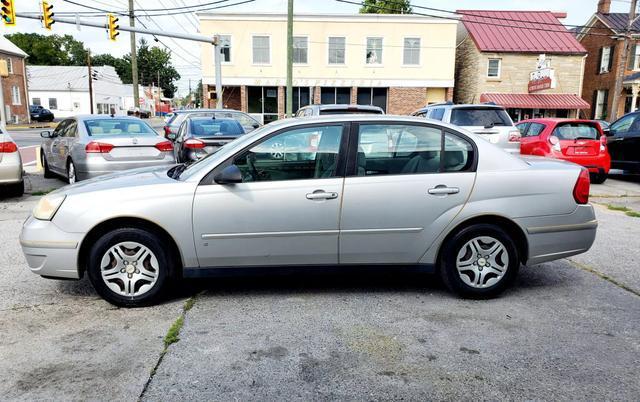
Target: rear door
405, 183
531, 139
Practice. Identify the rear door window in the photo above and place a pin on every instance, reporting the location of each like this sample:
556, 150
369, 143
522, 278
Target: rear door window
482, 117
437, 113
627, 126
535, 129
522, 127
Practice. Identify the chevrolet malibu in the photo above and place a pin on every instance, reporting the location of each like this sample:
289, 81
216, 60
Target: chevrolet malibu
371, 190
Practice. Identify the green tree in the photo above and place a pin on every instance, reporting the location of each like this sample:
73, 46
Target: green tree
121, 64
51, 50
386, 7
153, 61
198, 95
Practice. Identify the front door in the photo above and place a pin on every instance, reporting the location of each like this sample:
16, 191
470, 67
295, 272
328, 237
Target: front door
624, 143
286, 210
407, 185
55, 148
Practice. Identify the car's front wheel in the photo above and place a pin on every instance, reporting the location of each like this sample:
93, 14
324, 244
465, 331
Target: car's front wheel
129, 267
479, 261
71, 172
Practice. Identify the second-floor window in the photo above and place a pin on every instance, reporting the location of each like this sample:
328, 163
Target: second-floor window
9, 65
336, 49
411, 52
261, 50
225, 48
634, 57
15, 95
300, 49
605, 60
374, 50
493, 68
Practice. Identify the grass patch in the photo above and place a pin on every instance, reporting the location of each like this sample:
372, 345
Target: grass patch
42, 192
173, 335
627, 211
632, 214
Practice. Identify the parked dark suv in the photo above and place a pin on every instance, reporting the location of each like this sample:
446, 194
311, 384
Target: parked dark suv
39, 113
623, 140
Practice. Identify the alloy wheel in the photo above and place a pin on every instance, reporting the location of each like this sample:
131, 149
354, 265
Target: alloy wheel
71, 173
482, 262
129, 269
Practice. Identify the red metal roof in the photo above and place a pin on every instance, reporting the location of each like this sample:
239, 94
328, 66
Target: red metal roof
519, 31
536, 101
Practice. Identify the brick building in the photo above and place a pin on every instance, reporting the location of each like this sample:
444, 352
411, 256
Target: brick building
14, 87
602, 36
525, 61
360, 59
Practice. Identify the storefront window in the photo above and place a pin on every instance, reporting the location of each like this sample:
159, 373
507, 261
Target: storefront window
264, 101
335, 95
373, 96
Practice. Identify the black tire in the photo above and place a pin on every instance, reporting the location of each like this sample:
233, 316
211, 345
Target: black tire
15, 190
448, 258
598, 178
149, 240
48, 174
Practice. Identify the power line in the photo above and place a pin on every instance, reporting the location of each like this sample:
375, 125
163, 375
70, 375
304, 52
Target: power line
162, 12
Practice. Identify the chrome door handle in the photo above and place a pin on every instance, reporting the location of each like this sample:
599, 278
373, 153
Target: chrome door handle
321, 195
443, 190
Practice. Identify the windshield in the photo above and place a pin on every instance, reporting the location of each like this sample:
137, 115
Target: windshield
111, 127
574, 131
483, 117
208, 127
223, 153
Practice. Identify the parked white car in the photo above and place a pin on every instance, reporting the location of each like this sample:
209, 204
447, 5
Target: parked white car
11, 180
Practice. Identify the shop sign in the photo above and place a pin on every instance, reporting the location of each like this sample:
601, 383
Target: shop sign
543, 77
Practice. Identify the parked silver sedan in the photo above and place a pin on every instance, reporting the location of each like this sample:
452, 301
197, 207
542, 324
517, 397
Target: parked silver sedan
11, 180
87, 146
438, 197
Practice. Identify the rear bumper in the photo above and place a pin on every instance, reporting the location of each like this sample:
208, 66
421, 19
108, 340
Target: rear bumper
93, 167
11, 168
558, 236
595, 164
50, 251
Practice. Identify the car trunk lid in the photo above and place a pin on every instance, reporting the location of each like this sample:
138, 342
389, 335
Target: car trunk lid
580, 147
124, 148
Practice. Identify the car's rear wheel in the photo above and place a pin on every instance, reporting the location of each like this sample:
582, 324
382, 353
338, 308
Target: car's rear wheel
479, 261
598, 178
48, 174
71, 172
15, 190
129, 267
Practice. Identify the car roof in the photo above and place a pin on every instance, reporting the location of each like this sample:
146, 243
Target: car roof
556, 120
344, 106
183, 111
103, 117
192, 118
460, 106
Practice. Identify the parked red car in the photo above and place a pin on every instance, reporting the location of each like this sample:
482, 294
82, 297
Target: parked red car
574, 140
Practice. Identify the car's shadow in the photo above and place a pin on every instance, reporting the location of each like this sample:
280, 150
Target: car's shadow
241, 282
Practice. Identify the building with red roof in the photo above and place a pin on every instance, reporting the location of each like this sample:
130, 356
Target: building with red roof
526, 61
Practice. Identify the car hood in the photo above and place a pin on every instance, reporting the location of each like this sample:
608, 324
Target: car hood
125, 179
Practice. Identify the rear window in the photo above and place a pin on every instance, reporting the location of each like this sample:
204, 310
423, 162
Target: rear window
118, 127
349, 111
576, 131
480, 117
203, 128
245, 120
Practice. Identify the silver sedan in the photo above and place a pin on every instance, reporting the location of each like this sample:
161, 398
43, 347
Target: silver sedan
11, 180
340, 190
83, 147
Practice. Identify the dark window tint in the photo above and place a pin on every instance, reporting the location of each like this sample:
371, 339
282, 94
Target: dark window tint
576, 131
304, 153
207, 127
626, 125
483, 117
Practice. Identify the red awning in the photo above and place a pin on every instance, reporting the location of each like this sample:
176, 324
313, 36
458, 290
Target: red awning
536, 101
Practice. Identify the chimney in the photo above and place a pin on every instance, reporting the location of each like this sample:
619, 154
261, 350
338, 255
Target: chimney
604, 6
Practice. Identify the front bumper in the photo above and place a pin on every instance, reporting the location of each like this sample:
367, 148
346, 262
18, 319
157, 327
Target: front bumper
559, 236
50, 251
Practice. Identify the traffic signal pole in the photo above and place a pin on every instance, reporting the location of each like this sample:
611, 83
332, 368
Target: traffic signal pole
134, 58
90, 80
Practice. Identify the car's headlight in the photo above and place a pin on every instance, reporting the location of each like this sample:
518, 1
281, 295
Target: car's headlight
48, 206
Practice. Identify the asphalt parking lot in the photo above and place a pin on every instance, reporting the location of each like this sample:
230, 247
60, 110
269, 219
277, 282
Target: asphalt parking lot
567, 330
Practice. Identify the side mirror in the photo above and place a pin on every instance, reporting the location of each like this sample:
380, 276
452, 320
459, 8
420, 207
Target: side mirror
46, 134
229, 175
607, 132
171, 136
255, 125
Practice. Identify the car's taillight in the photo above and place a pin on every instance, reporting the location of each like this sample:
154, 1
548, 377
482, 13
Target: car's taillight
167, 130
192, 143
555, 142
514, 136
581, 189
95, 147
603, 143
165, 146
8, 147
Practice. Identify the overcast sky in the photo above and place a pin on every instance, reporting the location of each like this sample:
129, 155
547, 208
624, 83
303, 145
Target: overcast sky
186, 54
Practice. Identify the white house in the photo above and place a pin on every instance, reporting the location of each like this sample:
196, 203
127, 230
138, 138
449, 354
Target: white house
65, 90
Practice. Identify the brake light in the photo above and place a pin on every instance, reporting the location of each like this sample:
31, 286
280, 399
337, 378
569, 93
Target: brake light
8, 147
514, 136
95, 147
603, 143
555, 142
192, 143
581, 189
167, 131
164, 146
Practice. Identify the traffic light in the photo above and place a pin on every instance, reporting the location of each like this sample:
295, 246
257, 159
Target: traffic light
47, 15
113, 27
8, 13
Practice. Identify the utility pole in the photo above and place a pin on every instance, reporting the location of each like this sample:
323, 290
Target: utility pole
159, 92
134, 58
290, 58
218, 62
90, 81
189, 91
623, 63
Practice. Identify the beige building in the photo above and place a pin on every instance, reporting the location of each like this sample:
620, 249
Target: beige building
531, 72
398, 62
